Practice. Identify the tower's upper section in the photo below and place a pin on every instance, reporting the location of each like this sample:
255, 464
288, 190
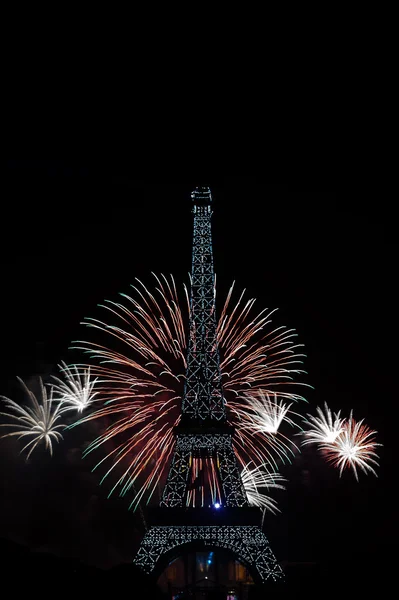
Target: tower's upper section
203, 395
201, 196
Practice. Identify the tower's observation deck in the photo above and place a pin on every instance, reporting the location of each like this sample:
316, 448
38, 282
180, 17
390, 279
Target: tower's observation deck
201, 196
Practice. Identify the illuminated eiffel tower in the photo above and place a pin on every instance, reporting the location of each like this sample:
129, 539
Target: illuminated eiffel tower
204, 503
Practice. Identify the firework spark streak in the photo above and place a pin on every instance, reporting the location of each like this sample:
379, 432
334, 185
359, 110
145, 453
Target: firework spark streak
37, 422
76, 391
353, 447
141, 372
255, 480
323, 429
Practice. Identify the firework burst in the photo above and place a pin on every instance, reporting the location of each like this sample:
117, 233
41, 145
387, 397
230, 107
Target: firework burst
76, 391
258, 417
36, 423
255, 480
323, 429
141, 371
353, 448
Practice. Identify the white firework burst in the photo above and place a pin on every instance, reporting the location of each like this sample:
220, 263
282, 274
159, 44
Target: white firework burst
76, 391
354, 447
260, 413
323, 429
255, 480
36, 423
264, 412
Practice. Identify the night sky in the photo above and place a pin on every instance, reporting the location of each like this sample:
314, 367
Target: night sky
75, 233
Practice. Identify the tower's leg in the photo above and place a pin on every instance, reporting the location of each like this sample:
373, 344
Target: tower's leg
176, 485
233, 488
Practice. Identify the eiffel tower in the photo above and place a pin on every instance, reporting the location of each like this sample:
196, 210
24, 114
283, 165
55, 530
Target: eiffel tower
204, 504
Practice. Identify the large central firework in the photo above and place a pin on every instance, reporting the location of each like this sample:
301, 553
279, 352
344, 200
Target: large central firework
138, 355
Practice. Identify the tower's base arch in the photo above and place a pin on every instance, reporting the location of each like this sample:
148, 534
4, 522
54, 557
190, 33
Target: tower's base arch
248, 543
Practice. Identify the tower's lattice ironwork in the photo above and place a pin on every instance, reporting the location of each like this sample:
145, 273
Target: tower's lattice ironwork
204, 472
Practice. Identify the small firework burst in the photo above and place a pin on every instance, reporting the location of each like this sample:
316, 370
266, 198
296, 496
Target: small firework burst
36, 423
263, 412
255, 480
76, 391
323, 429
258, 416
353, 448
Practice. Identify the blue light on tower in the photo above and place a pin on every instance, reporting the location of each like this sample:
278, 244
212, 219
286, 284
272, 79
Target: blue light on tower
217, 505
